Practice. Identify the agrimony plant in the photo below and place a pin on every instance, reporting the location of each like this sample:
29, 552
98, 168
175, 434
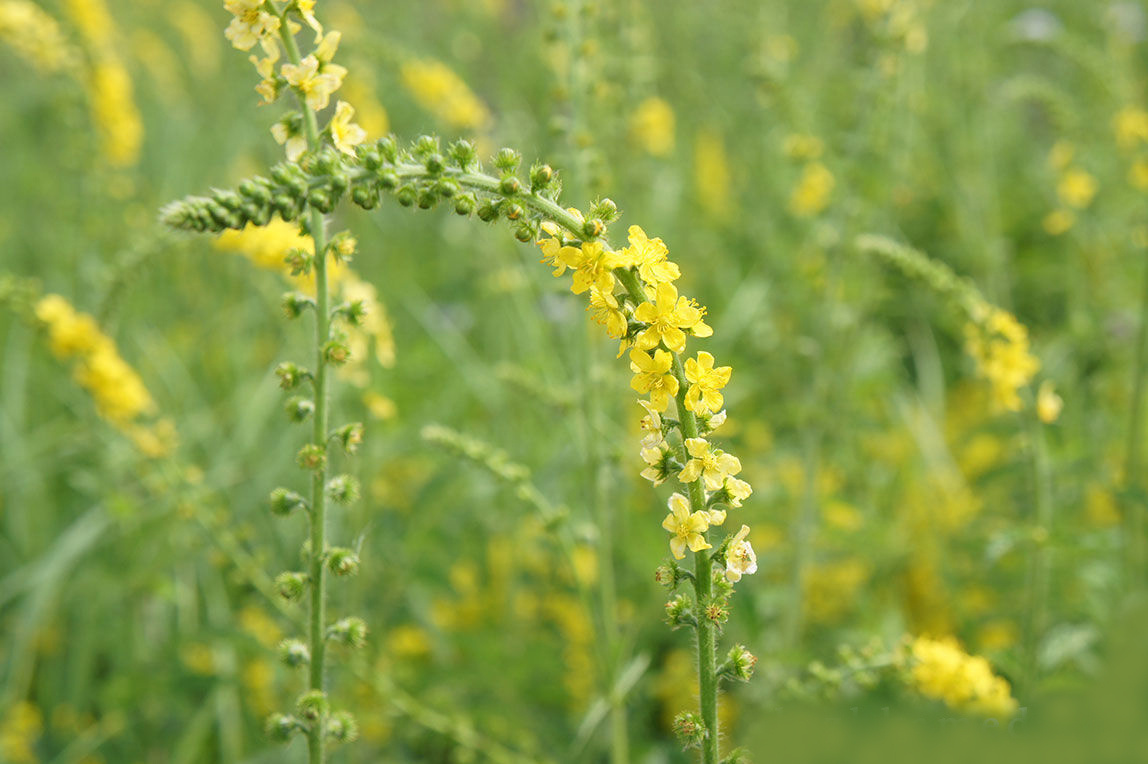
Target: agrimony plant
631, 293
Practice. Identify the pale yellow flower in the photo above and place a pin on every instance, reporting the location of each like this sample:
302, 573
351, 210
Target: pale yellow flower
345, 134
251, 24
687, 528
740, 559
314, 82
711, 464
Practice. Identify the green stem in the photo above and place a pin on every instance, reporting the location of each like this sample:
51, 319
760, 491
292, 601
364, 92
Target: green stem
318, 614
1040, 562
1136, 504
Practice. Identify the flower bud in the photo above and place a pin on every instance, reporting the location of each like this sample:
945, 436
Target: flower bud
593, 228
284, 502
387, 148
507, 160
739, 664
510, 185
289, 375
488, 211
372, 159
311, 457
434, 163
343, 489
427, 197
526, 231
348, 631
604, 209
339, 183
446, 188
336, 352
342, 561
366, 197
736, 756
388, 179
312, 705
342, 728
540, 177
406, 195
690, 730
426, 145
351, 436
282, 173
294, 303
299, 408
513, 211
464, 204
462, 154
290, 585
292, 652
320, 200
280, 727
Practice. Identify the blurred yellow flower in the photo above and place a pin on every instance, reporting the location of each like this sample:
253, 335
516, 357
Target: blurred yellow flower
811, 195
345, 134
1058, 222
1076, 188
1131, 127
1048, 403
443, 93
943, 671
652, 126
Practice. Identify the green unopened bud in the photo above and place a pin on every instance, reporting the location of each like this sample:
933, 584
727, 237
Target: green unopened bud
372, 159
285, 206
678, 612
510, 185
342, 728
388, 149
282, 173
406, 195
427, 197
593, 228
507, 160
366, 197
351, 436
690, 730
292, 652
513, 211
434, 163
284, 502
342, 561
229, 200
312, 705
540, 176
604, 209
446, 188
739, 664
290, 585
299, 408
464, 204
488, 211
352, 312
280, 727
343, 489
321, 200
526, 231
294, 303
348, 631
339, 183
736, 756
426, 145
311, 457
388, 179
462, 153
297, 189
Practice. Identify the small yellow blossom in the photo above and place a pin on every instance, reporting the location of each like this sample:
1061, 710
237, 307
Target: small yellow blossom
251, 24
607, 311
649, 257
687, 528
1076, 188
656, 457
1000, 347
705, 382
268, 87
1048, 403
345, 134
738, 490
740, 559
306, 9
811, 195
651, 425
315, 82
652, 375
292, 139
1131, 127
943, 671
593, 267
652, 126
711, 464
668, 315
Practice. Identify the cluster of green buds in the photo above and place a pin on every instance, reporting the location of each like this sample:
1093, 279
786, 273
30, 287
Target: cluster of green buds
422, 175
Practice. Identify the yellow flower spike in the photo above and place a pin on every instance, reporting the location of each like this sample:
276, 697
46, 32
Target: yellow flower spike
652, 375
711, 464
686, 527
944, 671
649, 257
345, 134
740, 559
651, 425
607, 311
251, 24
314, 85
267, 87
593, 267
443, 93
703, 396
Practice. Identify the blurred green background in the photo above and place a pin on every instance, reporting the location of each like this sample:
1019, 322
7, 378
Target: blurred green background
758, 139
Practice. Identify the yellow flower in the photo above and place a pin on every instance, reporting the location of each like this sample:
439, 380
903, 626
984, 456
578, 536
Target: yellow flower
557, 256
345, 134
1048, 403
703, 396
313, 81
667, 316
306, 9
251, 24
441, 92
711, 464
268, 87
291, 138
738, 490
608, 312
1061, 155
740, 559
1131, 127
115, 113
652, 375
657, 458
1000, 347
811, 195
651, 425
944, 671
652, 126
1076, 188
649, 256
593, 267
687, 528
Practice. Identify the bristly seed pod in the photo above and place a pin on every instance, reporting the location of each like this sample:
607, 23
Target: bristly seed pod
290, 375
299, 408
290, 585
312, 705
343, 489
311, 457
342, 728
280, 727
284, 502
690, 730
348, 631
293, 652
350, 436
342, 561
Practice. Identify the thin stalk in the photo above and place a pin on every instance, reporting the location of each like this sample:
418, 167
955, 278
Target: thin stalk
1040, 563
1136, 508
318, 530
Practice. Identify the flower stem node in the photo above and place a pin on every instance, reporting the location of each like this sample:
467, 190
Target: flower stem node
284, 502
690, 730
679, 612
348, 631
294, 653
739, 664
342, 561
311, 457
350, 436
312, 705
343, 489
342, 727
280, 727
290, 585
290, 375
294, 303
